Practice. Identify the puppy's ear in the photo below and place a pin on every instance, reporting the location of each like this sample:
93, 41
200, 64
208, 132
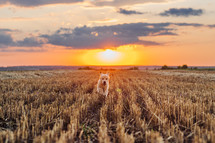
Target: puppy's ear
108, 73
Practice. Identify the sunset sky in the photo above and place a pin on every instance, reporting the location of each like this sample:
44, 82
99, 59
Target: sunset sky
107, 32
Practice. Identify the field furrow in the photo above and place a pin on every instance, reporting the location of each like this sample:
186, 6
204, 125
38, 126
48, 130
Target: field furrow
142, 106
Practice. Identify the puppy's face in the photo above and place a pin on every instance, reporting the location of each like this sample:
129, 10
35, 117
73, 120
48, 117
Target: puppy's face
104, 78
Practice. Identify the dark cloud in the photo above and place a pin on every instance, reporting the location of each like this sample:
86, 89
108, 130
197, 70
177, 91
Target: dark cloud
33, 3
5, 30
191, 24
2, 2
182, 12
30, 42
98, 37
212, 26
5, 38
111, 36
128, 12
106, 36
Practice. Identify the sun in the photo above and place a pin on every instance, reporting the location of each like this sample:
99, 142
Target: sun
109, 56
123, 55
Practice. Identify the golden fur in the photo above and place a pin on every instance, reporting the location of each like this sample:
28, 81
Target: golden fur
103, 84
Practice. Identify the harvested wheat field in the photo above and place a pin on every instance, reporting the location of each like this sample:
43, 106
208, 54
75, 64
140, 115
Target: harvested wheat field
142, 106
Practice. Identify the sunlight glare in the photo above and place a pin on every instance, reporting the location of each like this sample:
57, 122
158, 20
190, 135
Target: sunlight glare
109, 56
123, 55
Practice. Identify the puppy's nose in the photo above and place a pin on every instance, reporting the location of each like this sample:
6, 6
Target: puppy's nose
104, 82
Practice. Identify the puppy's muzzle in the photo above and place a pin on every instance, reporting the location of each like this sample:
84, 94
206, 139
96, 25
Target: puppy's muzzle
104, 83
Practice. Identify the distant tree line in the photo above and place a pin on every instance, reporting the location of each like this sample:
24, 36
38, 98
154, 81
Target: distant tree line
183, 67
165, 67
85, 68
133, 68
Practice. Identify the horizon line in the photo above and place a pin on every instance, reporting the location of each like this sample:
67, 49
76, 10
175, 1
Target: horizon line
107, 65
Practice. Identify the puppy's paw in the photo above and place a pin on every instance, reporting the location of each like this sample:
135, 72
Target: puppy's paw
106, 94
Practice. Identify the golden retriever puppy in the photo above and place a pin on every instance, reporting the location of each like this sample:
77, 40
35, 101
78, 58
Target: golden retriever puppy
103, 84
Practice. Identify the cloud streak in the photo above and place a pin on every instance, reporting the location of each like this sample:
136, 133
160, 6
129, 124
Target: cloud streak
128, 12
118, 3
114, 3
184, 12
34, 3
